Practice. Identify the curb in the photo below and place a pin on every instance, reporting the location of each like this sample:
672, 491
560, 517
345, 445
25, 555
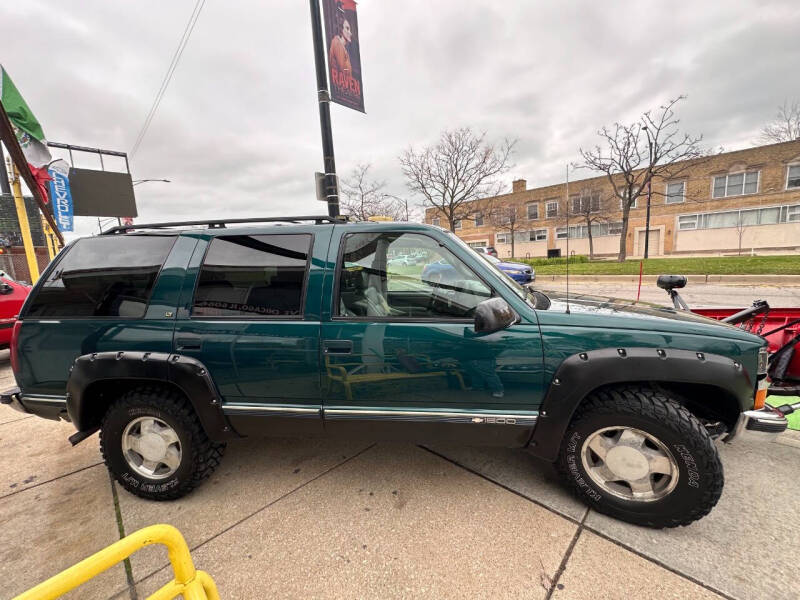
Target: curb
650, 280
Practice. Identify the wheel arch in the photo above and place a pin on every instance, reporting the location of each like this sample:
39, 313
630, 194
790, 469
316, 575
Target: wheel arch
97, 379
727, 386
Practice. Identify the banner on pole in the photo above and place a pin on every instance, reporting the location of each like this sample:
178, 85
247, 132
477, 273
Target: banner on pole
61, 195
344, 57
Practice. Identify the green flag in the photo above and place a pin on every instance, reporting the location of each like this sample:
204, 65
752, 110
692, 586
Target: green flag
26, 126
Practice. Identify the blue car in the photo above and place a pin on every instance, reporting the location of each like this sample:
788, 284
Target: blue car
517, 271
441, 271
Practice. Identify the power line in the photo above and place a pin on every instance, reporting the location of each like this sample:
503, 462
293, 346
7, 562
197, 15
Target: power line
176, 57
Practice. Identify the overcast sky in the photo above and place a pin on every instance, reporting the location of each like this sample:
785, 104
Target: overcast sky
238, 130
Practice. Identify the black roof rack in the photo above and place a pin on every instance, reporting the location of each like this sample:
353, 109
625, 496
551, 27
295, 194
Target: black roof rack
222, 223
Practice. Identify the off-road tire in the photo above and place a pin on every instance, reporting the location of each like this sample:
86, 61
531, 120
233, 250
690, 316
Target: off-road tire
700, 476
200, 456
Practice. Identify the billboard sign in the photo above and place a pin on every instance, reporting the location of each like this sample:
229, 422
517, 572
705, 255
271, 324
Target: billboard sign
60, 194
102, 193
344, 57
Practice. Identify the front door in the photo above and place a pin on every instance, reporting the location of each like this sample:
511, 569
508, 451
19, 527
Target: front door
654, 244
252, 319
401, 358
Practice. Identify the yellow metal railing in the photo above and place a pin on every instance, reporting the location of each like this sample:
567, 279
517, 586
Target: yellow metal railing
193, 584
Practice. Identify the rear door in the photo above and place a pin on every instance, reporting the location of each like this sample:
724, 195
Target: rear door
105, 293
251, 316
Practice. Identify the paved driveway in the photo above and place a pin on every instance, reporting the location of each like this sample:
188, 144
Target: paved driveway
343, 519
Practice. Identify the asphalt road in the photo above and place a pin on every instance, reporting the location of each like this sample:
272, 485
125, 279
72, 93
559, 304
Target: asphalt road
695, 295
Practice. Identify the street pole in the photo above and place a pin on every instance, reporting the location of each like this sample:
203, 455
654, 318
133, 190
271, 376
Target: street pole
649, 191
24, 226
324, 99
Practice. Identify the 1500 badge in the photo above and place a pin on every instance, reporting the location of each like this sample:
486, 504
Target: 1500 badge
495, 420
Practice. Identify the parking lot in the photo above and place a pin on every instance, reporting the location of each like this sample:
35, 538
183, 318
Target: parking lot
295, 518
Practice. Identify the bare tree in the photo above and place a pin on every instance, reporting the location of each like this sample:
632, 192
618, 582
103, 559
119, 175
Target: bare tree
591, 208
461, 167
632, 155
363, 197
740, 229
506, 218
785, 127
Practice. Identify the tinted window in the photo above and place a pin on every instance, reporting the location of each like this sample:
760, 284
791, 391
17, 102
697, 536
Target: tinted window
405, 275
253, 275
103, 277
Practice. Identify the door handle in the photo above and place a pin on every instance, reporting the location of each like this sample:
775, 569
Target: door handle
188, 342
337, 346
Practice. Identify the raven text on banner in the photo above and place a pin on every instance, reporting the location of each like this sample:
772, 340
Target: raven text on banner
344, 57
61, 195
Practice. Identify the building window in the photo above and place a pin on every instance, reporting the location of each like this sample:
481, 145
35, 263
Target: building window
736, 184
552, 209
793, 177
676, 192
587, 201
457, 224
502, 238
480, 244
615, 228
537, 235
582, 231
626, 195
436, 222
479, 220
533, 212
506, 215
771, 215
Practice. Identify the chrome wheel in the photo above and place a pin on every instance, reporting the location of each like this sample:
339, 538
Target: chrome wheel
151, 448
629, 463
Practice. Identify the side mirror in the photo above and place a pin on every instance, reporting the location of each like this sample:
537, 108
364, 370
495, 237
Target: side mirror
493, 315
5, 289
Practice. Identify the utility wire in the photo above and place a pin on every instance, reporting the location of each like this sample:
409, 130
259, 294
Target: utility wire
176, 57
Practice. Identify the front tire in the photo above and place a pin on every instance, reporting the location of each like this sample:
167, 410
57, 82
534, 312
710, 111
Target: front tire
636, 454
154, 446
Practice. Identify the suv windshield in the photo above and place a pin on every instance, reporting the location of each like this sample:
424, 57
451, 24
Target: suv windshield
520, 291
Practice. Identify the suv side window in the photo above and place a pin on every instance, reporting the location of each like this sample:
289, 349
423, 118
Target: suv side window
103, 277
405, 275
253, 276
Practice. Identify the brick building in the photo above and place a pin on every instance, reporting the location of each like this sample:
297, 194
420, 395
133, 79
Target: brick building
12, 256
746, 200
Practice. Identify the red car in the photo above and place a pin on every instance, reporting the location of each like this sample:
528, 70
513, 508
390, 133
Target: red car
12, 296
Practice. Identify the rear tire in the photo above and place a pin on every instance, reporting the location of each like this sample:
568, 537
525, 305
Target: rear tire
154, 446
636, 454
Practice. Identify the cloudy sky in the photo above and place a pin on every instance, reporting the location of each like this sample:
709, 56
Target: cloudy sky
238, 132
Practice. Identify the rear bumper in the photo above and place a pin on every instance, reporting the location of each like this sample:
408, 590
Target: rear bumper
759, 424
47, 407
10, 397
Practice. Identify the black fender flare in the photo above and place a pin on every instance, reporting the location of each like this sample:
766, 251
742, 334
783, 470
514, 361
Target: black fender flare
581, 373
186, 373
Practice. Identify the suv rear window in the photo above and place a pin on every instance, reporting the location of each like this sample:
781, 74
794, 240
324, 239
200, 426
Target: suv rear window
103, 277
253, 275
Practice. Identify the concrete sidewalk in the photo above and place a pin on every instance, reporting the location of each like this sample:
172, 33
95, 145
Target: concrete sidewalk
342, 519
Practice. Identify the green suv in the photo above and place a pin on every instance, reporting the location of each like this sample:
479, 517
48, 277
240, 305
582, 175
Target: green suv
173, 338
